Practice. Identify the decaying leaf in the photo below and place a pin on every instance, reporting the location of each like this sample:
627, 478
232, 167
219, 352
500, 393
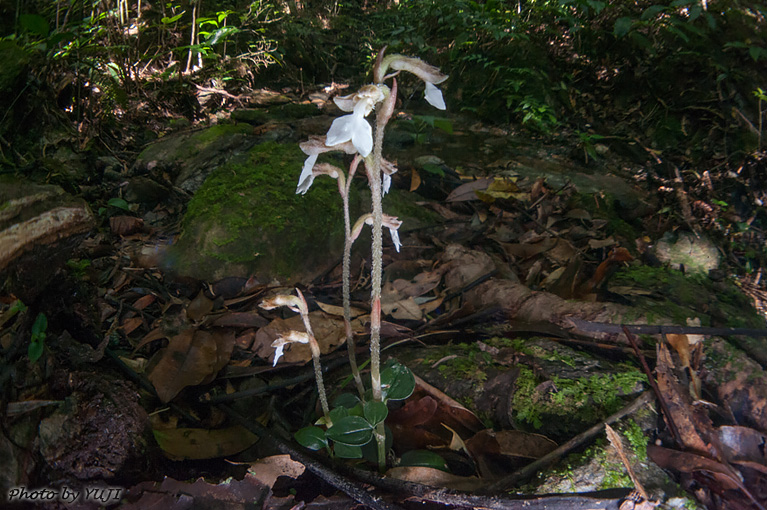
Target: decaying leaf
192, 357
328, 330
185, 444
268, 469
435, 478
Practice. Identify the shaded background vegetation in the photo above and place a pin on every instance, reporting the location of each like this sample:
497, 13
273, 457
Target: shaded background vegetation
676, 85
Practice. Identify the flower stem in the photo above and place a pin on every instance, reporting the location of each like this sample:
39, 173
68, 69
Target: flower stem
374, 176
315, 348
350, 343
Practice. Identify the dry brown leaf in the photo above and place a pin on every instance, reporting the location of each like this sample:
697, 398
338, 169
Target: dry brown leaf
469, 190
126, 225
420, 285
435, 478
191, 357
185, 444
415, 180
144, 301
130, 324
268, 469
339, 310
328, 330
199, 307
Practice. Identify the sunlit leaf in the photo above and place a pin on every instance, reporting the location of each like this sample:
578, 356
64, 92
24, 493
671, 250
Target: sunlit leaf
424, 458
351, 430
397, 381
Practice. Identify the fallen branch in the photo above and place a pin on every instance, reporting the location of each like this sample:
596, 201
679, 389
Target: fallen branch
644, 329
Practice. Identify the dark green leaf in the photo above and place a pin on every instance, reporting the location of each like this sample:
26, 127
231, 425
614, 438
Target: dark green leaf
444, 124
119, 203
424, 458
312, 438
34, 24
652, 11
352, 430
622, 26
39, 327
397, 381
168, 21
35, 350
338, 413
347, 400
434, 169
375, 412
346, 451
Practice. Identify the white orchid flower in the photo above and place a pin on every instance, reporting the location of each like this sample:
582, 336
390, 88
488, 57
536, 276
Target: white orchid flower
390, 222
313, 148
431, 75
354, 127
388, 168
290, 338
434, 96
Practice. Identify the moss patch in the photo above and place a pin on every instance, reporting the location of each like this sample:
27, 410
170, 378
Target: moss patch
680, 296
246, 219
570, 404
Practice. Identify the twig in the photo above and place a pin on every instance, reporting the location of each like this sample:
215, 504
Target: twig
654, 385
510, 481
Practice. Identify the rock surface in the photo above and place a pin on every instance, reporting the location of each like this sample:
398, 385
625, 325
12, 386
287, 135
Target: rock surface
40, 225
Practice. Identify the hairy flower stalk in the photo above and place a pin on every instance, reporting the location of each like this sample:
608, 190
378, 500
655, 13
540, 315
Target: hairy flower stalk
346, 276
298, 305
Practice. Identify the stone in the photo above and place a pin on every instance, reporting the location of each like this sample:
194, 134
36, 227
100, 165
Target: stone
40, 226
100, 432
190, 156
697, 254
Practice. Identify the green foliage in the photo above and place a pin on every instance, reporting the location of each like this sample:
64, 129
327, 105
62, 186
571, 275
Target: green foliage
37, 338
354, 421
424, 458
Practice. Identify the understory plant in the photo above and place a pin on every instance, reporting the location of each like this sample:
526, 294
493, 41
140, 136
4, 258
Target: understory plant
355, 420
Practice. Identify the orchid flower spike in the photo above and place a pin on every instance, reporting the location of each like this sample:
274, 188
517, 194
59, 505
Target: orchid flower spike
290, 338
354, 127
390, 222
313, 148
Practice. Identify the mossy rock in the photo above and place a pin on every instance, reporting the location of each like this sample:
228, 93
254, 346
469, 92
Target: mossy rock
192, 155
246, 219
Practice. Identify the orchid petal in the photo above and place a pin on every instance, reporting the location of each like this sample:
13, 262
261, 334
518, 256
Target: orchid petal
386, 183
395, 238
278, 351
434, 96
307, 177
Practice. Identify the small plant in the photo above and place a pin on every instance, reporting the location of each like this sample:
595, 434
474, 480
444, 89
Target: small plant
37, 339
354, 423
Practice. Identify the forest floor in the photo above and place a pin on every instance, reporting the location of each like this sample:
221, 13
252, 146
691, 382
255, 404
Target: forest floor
521, 260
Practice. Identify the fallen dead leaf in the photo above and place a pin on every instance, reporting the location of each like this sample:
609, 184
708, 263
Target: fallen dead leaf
268, 469
192, 357
434, 478
328, 330
187, 444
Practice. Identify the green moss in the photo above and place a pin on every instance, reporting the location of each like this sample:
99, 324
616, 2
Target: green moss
247, 213
572, 402
679, 296
294, 110
469, 363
